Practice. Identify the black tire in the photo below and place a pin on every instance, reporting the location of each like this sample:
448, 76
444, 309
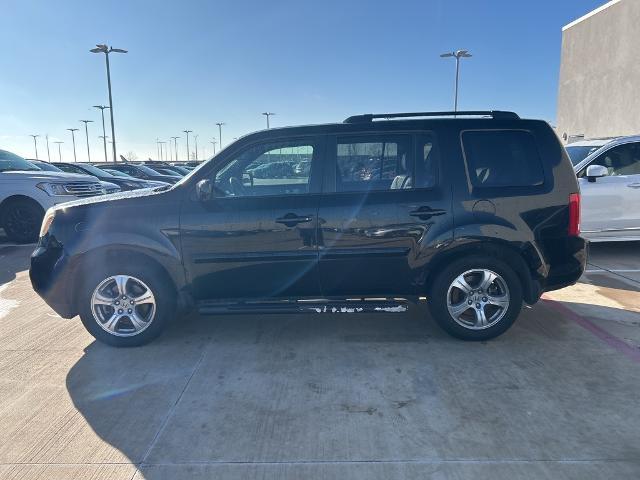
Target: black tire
439, 292
158, 282
21, 220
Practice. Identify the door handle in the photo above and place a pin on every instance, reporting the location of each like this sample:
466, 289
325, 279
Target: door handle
291, 219
633, 185
425, 213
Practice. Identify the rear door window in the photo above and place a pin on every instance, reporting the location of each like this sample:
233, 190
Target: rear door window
502, 158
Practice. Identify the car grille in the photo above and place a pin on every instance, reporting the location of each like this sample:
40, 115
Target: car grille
84, 189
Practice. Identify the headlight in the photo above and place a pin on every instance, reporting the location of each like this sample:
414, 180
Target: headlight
53, 189
47, 221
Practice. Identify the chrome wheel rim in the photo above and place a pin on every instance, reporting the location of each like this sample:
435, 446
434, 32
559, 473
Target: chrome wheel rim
123, 305
478, 299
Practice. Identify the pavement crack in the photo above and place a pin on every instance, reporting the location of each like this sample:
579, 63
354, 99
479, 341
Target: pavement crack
172, 409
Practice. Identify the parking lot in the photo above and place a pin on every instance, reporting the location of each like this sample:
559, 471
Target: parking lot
328, 395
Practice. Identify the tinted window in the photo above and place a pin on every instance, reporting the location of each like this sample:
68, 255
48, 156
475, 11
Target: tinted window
502, 158
374, 162
620, 160
579, 153
275, 168
426, 162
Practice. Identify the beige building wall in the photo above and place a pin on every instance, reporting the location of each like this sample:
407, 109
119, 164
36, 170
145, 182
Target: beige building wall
599, 90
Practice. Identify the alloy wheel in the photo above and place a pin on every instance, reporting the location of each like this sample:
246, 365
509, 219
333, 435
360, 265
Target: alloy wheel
123, 305
478, 299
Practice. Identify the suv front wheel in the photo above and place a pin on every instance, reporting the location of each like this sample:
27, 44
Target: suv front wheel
476, 298
126, 306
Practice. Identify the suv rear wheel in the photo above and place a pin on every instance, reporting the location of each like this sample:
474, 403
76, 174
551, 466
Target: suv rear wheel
126, 306
21, 220
476, 298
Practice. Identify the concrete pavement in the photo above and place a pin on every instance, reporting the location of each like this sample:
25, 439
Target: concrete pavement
327, 396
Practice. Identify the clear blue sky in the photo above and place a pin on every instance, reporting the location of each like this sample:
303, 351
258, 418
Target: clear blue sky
194, 63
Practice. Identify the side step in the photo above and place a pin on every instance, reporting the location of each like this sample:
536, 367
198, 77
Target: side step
356, 305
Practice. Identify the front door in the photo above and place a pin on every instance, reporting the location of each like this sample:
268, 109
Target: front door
257, 237
609, 203
382, 213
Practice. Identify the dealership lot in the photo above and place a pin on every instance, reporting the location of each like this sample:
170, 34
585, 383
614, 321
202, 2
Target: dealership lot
328, 395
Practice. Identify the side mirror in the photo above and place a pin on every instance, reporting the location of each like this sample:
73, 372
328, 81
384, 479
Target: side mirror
596, 171
204, 190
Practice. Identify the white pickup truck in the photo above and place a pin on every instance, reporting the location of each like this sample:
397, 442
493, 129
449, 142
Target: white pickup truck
27, 192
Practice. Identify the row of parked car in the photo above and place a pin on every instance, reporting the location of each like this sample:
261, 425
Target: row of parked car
29, 187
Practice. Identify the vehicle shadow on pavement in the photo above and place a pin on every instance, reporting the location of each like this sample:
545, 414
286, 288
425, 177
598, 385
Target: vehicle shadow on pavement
254, 392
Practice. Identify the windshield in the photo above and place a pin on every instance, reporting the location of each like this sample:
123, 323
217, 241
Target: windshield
147, 170
116, 173
45, 166
580, 152
95, 171
12, 162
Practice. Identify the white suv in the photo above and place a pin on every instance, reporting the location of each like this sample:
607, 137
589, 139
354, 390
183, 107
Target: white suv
27, 192
609, 177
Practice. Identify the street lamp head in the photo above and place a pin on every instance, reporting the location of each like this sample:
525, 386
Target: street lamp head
117, 50
101, 107
463, 53
72, 129
100, 48
87, 121
447, 55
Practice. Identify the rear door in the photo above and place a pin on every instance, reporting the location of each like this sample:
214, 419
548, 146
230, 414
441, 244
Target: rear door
609, 204
257, 237
382, 211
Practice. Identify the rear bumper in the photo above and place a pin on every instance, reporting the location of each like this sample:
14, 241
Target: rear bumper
51, 278
567, 266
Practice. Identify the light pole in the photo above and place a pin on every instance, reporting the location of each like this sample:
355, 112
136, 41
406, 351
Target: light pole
104, 134
175, 146
162, 157
458, 54
213, 142
107, 50
220, 124
195, 139
268, 114
35, 144
59, 151
73, 138
48, 154
86, 132
187, 132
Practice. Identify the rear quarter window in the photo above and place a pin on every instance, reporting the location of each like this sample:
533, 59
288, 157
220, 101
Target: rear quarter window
502, 158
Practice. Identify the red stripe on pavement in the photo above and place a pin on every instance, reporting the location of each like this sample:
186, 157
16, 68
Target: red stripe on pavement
614, 342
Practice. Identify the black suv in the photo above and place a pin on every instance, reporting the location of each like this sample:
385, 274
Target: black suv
473, 215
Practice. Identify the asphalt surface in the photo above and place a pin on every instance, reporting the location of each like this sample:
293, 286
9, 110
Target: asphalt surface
328, 395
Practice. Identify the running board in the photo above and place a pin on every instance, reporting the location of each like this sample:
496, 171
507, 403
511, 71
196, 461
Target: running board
372, 305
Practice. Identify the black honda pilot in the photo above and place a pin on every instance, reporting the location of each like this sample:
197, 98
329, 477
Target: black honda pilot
475, 213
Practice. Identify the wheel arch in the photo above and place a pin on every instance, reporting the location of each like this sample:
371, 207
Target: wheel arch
523, 258
110, 255
4, 204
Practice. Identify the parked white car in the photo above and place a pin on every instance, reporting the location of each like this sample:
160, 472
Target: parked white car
26, 192
609, 178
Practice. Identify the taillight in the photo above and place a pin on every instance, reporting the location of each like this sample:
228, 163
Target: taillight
574, 214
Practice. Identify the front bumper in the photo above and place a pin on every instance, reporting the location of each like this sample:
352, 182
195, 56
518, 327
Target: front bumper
51, 276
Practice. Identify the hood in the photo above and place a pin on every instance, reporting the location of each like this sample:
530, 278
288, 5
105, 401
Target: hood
48, 176
113, 197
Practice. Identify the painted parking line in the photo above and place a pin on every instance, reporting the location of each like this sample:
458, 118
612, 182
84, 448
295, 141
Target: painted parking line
602, 270
611, 340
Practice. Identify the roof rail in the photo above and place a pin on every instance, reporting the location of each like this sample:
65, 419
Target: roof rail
497, 114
